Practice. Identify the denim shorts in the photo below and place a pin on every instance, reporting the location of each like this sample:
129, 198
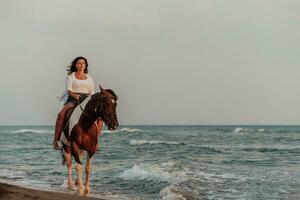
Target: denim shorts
82, 97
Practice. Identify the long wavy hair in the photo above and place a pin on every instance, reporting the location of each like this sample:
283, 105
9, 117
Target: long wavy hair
72, 67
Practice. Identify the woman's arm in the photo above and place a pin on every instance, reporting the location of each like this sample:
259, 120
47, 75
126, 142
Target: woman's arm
69, 88
76, 96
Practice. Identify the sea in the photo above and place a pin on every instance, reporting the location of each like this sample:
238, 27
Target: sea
164, 162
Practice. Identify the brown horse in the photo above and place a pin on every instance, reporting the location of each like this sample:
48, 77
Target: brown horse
82, 132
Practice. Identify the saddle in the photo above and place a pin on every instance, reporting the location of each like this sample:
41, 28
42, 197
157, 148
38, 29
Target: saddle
66, 121
70, 111
69, 120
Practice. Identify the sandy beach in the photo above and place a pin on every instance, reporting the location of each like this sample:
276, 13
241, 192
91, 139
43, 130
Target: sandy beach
12, 192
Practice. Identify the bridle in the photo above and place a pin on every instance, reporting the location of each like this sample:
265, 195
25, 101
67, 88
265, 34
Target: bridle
106, 115
99, 112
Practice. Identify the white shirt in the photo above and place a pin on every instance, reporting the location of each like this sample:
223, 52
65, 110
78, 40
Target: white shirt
79, 86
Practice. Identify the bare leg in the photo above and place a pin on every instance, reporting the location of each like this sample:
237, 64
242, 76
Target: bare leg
88, 171
69, 166
59, 124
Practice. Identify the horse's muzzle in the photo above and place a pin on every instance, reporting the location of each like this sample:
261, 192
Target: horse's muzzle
113, 126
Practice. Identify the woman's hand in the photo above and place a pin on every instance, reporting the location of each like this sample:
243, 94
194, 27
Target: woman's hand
75, 96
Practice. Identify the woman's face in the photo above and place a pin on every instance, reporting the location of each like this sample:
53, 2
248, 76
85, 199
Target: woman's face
80, 65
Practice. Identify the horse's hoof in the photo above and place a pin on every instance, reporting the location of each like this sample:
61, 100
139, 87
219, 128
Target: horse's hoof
87, 190
71, 187
81, 192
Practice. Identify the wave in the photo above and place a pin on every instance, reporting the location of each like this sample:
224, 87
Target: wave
217, 178
111, 195
127, 130
242, 130
11, 174
170, 171
261, 130
31, 131
141, 142
130, 130
207, 149
248, 130
170, 192
274, 149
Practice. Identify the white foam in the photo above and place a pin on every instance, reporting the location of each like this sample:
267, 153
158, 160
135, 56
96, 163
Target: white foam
64, 185
32, 183
247, 130
261, 130
141, 142
30, 131
108, 131
242, 130
111, 195
11, 174
166, 171
128, 130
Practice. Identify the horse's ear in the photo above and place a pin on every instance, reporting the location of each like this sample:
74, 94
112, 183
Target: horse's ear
101, 89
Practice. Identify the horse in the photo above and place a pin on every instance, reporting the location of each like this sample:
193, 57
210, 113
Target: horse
81, 133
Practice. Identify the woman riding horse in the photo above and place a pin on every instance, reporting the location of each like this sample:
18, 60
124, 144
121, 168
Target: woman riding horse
79, 85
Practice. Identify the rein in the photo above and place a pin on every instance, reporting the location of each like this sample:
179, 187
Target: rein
98, 114
89, 115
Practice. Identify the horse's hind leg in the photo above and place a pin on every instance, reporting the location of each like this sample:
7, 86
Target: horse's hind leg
88, 171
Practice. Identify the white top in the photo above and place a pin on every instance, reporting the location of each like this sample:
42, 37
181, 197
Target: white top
79, 86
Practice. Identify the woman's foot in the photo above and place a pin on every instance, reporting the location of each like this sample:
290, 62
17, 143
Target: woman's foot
55, 145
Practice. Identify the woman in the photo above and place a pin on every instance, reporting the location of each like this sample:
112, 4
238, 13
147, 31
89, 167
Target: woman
79, 85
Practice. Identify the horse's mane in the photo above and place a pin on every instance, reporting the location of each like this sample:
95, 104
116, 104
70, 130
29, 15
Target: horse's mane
110, 91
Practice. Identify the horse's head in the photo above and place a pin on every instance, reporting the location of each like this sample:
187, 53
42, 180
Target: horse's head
107, 110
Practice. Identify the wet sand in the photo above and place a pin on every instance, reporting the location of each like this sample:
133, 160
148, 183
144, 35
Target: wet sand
12, 192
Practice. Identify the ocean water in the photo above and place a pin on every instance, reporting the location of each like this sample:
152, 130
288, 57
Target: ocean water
165, 162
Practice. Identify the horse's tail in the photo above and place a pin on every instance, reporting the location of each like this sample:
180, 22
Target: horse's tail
74, 151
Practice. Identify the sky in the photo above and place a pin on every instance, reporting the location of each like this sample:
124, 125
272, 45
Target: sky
169, 61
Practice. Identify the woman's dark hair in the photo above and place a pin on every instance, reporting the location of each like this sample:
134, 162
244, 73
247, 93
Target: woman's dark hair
72, 67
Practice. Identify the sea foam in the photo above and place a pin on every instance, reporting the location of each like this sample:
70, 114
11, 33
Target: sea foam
126, 130
30, 131
167, 171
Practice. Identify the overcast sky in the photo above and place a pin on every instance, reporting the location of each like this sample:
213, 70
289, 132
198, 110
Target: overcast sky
169, 61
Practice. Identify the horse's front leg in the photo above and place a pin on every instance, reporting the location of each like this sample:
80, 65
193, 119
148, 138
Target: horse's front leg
79, 178
99, 124
78, 156
88, 171
68, 158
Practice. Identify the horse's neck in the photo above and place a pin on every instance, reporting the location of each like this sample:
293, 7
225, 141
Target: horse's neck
88, 117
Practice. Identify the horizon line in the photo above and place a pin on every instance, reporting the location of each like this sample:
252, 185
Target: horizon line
1, 125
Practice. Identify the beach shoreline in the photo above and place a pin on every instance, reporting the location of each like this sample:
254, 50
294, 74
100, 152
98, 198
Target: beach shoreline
14, 192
